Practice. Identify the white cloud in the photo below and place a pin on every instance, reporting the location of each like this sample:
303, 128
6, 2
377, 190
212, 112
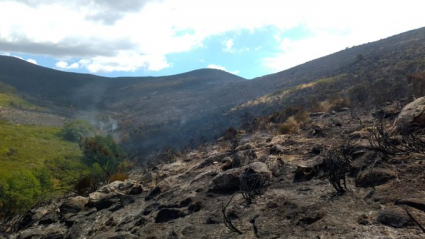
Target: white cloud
222, 68
65, 65
228, 45
131, 35
32, 61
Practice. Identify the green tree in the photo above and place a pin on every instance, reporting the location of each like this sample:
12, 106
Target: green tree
75, 129
19, 191
102, 154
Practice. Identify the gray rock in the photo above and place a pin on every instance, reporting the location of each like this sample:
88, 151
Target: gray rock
73, 204
414, 112
167, 214
374, 177
394, 217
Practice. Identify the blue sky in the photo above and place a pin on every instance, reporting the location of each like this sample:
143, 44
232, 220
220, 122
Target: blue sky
163, 37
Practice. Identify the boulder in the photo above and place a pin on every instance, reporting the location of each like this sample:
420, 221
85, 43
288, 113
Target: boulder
229, 180
412, 202
242, 158
414, 112
277, 149
167, 214
394, 217
374, 177
118, 201
73, 204
135, 190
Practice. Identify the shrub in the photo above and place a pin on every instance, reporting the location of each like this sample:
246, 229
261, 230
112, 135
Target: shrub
290, 126
118, 177
75, 129
302, 116
19, 191
102, 155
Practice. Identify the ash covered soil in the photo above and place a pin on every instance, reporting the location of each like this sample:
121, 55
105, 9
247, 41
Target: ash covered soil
184, 198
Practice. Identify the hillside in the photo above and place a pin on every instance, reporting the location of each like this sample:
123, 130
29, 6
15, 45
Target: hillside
157, 113
269, 186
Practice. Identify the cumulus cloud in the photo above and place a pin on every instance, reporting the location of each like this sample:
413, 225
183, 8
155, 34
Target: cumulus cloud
32, 61
222, 68
65, 65
132, 35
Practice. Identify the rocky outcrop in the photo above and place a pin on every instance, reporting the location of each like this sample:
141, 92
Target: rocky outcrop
73, 204
411, 113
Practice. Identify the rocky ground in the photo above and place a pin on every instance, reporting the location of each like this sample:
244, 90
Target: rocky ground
184, 199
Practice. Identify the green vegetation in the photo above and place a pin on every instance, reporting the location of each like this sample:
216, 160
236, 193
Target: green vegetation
27, 175
9, 98
36, 163
75, 129
28, 147
18, 192
103, 156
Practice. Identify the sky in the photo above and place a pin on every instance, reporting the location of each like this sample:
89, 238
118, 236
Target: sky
164, 37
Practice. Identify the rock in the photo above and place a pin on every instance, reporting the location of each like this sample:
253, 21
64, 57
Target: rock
227, 181
315, 114
185, 202
116, 200
95, 197
412, 202
211, 159
228, 162
151, 208
277, 149
153, 193
115, 186
195, 207
261, 170
114, 235
49, 218
73, 204
135, 190
274, 164
307, 169
374, 177
317, 149
247, 146
166, 215
243, 158
394, 217
343, 109
414, 112
175, 167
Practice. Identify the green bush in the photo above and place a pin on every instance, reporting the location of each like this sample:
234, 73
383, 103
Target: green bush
18, 192
75, 129
103, 156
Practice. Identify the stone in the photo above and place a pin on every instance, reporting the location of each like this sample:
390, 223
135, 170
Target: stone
135, 190
73, 204
277, 149
247, 146
153, 193
394, 217
49, 218
412, 202
414, 112
374, 177
242, 158
167, 214
228, 162
227, 181
119, 199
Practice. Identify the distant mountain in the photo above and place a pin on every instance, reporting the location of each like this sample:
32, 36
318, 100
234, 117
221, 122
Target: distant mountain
155, 113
